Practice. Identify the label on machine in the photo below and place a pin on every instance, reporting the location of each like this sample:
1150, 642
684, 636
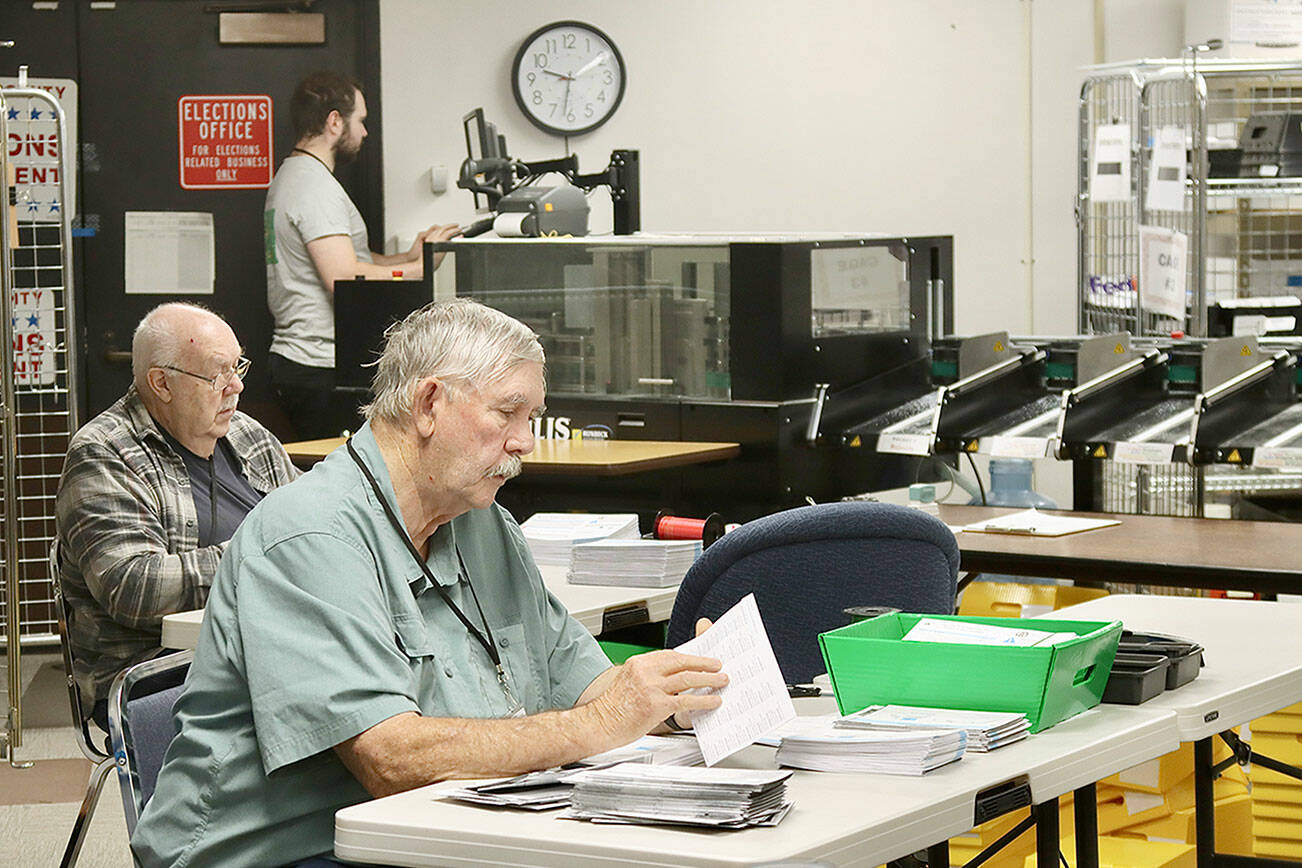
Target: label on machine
1277, 456
900, 443
1129, 452
1015, 447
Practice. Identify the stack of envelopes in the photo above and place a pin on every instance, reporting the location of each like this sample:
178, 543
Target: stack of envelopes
913, 752
648, 794
986, 730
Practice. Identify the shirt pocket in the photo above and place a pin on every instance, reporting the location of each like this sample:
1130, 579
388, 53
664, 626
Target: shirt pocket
413, 637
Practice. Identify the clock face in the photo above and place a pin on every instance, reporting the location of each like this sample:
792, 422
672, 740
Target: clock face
568, 78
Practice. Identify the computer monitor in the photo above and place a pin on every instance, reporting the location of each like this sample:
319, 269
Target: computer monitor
483, 142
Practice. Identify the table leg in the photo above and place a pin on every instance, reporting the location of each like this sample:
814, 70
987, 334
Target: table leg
1204, 804
1086, 810
938, 855
1047, 840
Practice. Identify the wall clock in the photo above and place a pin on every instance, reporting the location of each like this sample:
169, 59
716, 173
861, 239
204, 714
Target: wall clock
568, 78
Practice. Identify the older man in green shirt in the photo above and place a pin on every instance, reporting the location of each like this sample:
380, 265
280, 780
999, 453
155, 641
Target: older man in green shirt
380, 624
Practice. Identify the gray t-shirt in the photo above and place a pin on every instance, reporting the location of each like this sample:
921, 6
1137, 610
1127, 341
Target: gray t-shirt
305, 202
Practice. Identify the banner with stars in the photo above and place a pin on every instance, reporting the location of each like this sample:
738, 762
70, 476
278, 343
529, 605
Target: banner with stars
32, 142
32, 317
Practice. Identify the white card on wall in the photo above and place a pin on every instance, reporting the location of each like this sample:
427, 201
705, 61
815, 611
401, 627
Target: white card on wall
1110, 166
1162, 255
1167, 171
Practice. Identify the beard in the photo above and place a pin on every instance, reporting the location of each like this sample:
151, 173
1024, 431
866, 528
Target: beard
346, 150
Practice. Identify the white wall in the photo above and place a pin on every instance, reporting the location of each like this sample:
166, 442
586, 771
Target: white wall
925, 116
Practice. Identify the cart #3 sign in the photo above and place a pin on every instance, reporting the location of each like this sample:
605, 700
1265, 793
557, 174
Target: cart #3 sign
225, 142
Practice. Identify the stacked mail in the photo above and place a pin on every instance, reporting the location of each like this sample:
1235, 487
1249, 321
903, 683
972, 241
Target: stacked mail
986, 730
652, 794
633, 563
832, 749
551, 788
551, 535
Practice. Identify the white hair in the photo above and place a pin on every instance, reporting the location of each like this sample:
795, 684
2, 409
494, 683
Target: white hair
461, 342
157, 342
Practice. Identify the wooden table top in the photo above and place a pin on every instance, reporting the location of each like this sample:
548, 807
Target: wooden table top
576, 457
1146, 549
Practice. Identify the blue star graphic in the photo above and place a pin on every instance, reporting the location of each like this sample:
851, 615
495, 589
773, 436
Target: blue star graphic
36, 114
14, 321
13, 114
54, 207
33, 206
34, 320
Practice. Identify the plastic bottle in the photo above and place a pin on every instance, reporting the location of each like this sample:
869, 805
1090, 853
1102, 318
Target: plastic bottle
1010, 485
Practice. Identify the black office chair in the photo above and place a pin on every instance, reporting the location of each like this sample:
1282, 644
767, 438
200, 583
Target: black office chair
806, 565
141, 725
92, 743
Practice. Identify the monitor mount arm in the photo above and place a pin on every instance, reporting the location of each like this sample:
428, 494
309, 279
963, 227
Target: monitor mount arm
622, 176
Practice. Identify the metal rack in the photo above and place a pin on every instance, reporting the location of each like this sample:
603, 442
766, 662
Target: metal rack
38, 387
1245, 234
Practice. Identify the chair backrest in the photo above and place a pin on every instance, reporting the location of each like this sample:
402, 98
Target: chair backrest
81, 722
141, 725
806, 565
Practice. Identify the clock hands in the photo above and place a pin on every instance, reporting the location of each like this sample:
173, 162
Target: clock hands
558, 75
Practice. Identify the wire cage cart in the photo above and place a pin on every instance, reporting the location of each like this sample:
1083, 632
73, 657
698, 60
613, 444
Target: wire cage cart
38, 389
1244, 233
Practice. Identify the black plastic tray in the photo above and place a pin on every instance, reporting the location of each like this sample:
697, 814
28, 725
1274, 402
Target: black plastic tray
1136, 678
1186, 657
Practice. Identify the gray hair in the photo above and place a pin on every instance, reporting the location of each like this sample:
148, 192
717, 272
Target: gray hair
156, 342
461, 342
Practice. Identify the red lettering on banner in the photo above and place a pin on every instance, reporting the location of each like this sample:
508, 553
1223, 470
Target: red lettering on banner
225, 142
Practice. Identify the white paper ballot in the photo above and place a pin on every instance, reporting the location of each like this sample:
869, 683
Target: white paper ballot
1110, 166
755, 699
970, 633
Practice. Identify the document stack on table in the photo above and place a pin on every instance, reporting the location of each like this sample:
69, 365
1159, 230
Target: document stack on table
633, 563
909, 752
669, 795
551, 535
986, 730
551, 788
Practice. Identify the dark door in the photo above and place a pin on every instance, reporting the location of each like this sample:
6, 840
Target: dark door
133, 60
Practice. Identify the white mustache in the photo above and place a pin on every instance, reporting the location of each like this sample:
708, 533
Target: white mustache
508, 469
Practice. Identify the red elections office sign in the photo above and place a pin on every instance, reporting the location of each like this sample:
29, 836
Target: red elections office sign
225, 141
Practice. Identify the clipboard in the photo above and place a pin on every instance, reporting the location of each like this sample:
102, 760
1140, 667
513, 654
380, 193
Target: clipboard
1032, 522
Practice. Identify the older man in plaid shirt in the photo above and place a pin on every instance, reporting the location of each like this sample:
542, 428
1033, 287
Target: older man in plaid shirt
154, 487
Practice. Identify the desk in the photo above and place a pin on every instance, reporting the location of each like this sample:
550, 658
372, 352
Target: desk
1253, 668
576, 457
1146, 549
845, 819
596, 607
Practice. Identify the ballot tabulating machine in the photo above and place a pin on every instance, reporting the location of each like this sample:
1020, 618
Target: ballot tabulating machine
768, 341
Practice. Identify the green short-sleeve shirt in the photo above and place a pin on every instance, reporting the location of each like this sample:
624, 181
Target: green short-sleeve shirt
320, 625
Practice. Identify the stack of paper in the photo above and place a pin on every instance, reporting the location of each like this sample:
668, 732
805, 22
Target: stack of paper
1032, 522
958, 631
551, 535
912, 752
663, 750
721, 798
633, 563
986, 730
540, 791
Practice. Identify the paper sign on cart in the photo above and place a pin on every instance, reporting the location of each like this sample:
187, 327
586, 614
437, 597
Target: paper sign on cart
1163, 255
1167, 170
1110, 166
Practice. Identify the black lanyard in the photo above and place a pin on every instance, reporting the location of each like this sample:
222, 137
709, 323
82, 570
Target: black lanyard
313, 156
487, 642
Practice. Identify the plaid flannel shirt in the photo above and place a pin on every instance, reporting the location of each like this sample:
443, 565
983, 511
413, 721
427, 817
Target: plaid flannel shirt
129, 534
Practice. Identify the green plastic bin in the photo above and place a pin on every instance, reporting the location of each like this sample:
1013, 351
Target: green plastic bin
870, 665
618, 652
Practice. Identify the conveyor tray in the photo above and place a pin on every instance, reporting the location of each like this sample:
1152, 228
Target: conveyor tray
1275, 442
907, 426
1021, 433
1155, 435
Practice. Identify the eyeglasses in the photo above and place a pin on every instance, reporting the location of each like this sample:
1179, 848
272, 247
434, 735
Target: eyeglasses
222, 381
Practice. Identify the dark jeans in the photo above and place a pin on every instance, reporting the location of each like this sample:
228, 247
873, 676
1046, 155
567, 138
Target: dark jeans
308, 397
